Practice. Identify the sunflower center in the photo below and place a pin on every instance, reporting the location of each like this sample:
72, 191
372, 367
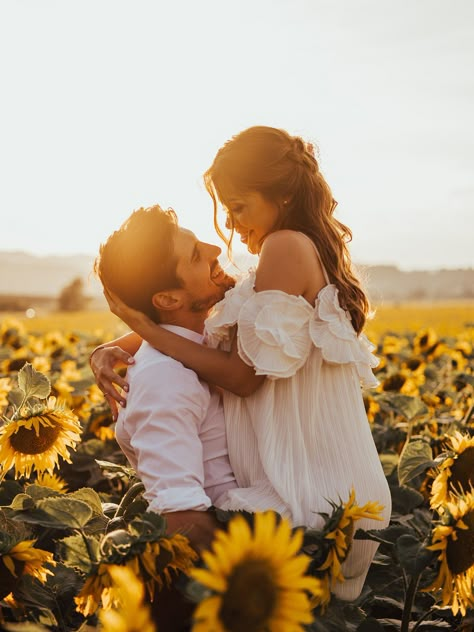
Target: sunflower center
394, 382
462, 470
26, 441
250, 598
460, 552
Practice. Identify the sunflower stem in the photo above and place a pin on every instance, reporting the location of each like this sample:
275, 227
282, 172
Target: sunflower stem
128, 498
421, 619
409, 601
18, 410
88, 547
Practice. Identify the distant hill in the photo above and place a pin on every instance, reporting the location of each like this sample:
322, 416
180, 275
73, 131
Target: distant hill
23, 274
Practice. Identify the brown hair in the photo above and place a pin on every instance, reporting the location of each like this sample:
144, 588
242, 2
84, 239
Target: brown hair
138, 259
283, 167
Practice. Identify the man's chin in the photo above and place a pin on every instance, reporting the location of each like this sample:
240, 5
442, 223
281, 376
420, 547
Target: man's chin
227, 283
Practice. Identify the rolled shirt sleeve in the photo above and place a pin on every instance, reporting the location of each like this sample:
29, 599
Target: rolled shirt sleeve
165, 409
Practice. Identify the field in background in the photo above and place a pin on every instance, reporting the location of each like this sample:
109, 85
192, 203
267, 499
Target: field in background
447, 318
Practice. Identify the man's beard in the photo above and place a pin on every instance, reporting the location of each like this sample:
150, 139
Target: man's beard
205, 304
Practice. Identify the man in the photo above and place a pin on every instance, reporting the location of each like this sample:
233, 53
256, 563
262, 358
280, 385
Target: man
172, 429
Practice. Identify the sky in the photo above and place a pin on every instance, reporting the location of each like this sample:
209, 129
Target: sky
109, 105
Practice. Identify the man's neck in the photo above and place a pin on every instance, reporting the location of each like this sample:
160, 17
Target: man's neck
189, 320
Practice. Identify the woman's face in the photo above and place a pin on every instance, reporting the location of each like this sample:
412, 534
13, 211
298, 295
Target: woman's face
253, 217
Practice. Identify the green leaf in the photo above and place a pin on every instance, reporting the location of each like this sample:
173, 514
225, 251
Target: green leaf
66, 511
15, 397
389, 535
22, 502
405, 499
389, 462
33, 383
416, 457
90, 497
114, 470
78, 552
412, 555
39, 492
404, 405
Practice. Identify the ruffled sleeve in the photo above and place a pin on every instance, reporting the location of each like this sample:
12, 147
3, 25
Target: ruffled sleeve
331, 330
224, 315
273, 334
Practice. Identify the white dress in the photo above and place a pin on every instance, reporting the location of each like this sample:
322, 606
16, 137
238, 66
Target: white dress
302, 439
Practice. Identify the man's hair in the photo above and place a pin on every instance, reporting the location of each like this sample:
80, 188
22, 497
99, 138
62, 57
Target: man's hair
138, 259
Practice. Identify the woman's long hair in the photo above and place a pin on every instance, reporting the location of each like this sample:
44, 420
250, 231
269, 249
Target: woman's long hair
283, 168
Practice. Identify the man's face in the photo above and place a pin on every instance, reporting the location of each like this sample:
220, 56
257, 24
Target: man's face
204, 282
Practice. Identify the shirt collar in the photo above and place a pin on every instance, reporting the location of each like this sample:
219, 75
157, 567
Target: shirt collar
185, 333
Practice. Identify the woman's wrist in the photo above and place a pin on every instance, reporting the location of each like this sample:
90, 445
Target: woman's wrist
93, 351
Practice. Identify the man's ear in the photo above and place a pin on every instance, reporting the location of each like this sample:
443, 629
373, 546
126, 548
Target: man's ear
167, 301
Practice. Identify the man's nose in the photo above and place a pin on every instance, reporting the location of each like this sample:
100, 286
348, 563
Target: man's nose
213, 251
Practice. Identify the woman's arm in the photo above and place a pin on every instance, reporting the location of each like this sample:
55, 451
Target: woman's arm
288, 263
221, 368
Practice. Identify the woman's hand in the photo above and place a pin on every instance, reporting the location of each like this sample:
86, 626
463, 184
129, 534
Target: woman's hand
132, 317
104, 361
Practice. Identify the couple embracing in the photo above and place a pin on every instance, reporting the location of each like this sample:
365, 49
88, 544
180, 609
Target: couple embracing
245, 396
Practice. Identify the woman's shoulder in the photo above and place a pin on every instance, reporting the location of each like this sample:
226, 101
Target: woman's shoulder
285, 240
290, 262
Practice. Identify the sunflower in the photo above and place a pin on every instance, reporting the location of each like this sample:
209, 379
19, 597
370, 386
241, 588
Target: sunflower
5, 388
36, 441
131, 613
372, 407
23, 559
338, 532
53, 481
393, 345
155, 564
101, 424
425, 341
403, 381
257, 579
41, 364
456, 472
454, 539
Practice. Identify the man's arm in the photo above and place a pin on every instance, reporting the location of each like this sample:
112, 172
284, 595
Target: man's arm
164, 413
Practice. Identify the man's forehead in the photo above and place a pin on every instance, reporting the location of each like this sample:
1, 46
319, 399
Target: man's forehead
184, 243
187, 234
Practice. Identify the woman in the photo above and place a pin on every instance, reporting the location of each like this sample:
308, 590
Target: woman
302, 438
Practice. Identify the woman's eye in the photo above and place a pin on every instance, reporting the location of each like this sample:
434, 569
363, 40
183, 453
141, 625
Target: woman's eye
237, 209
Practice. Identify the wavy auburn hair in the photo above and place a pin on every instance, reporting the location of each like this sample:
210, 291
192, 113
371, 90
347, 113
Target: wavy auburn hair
283, 167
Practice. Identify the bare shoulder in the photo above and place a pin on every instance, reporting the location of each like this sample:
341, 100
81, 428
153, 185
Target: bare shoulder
288, 262
290, 240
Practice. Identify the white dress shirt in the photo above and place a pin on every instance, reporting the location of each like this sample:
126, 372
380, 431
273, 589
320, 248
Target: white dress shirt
173, 434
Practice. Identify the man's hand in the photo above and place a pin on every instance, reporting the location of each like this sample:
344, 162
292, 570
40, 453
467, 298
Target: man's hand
198, 526
104, 363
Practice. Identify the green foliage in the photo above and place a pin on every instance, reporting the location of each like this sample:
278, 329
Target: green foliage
416, 458
33, 383
104, 517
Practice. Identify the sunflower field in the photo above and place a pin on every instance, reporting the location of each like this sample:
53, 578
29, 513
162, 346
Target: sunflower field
80, 551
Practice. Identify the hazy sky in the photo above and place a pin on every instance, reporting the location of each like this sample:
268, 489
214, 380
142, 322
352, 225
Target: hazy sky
109, 105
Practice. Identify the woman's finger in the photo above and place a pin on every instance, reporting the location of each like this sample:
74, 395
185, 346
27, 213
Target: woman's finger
111, 393
112, 405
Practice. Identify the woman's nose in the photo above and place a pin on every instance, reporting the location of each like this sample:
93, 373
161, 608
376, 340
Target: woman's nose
228, 222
